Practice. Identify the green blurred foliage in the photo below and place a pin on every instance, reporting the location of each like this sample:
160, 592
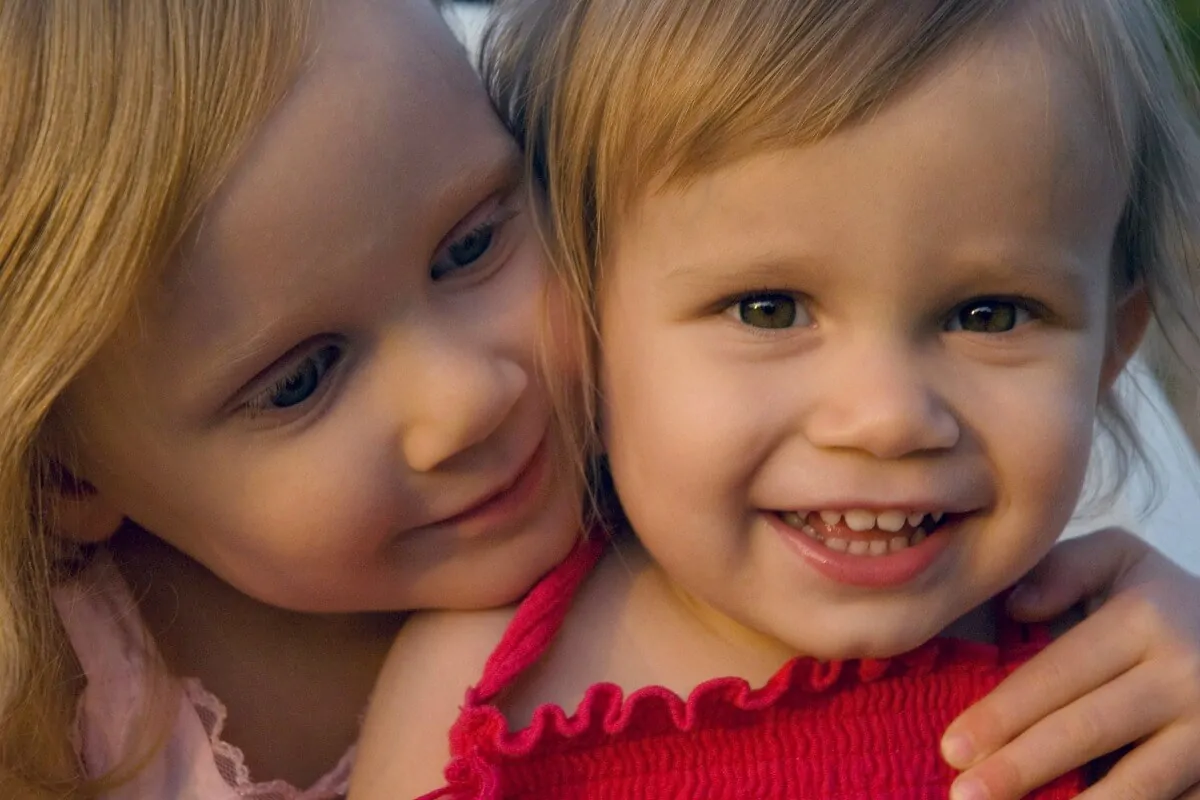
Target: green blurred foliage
1189, 15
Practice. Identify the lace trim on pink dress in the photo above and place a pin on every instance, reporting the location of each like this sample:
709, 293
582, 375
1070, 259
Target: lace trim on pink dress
231, 762
101, 619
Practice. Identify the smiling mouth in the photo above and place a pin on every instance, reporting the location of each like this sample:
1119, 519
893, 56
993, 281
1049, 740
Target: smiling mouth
513, 490
866, 533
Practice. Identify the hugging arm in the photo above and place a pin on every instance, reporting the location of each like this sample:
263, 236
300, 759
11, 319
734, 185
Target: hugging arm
1129, 674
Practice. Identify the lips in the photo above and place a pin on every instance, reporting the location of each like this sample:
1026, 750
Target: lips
871, 558
506, 501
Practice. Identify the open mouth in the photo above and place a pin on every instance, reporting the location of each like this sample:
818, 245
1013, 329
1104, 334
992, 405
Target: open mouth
866, 533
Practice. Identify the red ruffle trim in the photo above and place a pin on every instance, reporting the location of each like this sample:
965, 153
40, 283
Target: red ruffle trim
481, 737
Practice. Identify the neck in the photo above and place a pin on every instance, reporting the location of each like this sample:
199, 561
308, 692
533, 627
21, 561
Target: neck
741, 650
295, 684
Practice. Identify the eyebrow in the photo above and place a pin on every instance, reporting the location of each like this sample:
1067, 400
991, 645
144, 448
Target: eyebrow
765, 267
500, 173
1066, 275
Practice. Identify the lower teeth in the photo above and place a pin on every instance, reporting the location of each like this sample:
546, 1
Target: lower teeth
856, 547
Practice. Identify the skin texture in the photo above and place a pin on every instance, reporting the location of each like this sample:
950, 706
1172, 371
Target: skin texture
987, 187
340, 363
984, 185
1092, 692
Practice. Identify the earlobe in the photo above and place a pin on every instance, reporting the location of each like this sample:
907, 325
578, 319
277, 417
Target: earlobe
77, 511
1130, 318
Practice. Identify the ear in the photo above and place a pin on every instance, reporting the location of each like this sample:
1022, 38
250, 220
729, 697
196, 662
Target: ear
1130, 318
77, 511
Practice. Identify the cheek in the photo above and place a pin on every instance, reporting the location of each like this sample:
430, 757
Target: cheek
337, 491
1037, 431
521, 314
674, 423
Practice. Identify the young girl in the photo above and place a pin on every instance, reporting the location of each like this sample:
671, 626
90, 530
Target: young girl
269, 292
861, 276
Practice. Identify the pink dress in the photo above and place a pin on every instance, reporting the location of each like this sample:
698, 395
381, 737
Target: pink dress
115, 651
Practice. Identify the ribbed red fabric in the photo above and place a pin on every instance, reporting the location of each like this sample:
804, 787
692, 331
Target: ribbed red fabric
827, 731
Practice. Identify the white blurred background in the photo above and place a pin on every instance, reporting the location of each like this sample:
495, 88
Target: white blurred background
467, 20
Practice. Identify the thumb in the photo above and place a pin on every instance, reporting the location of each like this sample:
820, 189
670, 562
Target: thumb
1084, 568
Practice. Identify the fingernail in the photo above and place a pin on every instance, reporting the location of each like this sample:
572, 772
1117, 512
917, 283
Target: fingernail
968, 789
958, 750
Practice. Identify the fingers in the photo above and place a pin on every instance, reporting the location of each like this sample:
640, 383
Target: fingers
1074, 570
1165, 767
1085, 658
1131, 707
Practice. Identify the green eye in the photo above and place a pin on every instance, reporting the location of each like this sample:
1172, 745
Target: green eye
771, 311
987, 316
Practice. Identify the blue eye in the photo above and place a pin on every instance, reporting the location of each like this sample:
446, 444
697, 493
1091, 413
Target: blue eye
989, 315
476, 239
468, 250
465, 251
300, 383
471, 247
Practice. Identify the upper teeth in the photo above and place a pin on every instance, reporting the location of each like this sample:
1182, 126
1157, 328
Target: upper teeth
858, 519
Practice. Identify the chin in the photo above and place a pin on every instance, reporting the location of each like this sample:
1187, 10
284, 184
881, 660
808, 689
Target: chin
507, 583
876, 641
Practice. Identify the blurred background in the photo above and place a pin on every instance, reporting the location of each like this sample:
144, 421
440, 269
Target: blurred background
1189, 17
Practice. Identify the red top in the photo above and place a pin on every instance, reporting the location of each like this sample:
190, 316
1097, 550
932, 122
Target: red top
834, 730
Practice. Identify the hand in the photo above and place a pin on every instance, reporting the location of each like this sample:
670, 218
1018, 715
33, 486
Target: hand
1129, 673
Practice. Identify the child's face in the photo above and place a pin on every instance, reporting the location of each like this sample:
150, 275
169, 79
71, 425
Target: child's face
908, 318
330, 399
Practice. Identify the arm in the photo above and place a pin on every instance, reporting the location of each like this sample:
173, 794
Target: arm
404, 744
1130, 673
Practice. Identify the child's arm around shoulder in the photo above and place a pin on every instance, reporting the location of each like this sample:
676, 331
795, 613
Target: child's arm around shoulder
1129, 674
405, 738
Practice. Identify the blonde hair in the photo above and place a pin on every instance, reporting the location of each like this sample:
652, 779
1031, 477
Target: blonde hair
613, 98
118, 119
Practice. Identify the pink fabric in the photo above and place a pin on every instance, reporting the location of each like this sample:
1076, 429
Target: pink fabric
116, 654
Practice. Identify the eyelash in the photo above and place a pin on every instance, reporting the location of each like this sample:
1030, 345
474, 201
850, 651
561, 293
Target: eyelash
734, 308
1032, 311
323, 359
492, 227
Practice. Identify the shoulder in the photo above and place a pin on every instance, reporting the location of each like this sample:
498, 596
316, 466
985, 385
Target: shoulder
436, 657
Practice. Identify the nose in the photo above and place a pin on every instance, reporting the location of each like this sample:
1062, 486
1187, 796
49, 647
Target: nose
877, 400
454, 396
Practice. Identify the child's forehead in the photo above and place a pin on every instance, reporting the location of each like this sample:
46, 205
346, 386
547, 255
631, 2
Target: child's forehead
1039, 106
999, 146
380, 149
702, 119
386, 128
